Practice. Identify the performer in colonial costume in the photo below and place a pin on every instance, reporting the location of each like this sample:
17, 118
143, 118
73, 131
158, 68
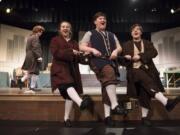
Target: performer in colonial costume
65, 75
142, 76
33, 59
100, 42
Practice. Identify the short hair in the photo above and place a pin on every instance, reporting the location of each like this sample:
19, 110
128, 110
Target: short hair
98, 14
65, 22
71, 33
135, 25
38, 28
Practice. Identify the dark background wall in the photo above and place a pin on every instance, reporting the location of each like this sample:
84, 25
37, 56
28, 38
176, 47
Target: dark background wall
153, 15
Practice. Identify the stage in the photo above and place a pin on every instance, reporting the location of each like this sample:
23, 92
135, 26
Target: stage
47, 106
42, 114
87, 128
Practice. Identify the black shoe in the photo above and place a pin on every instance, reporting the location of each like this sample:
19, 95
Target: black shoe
119, 110
109, 122
19, 83
67, 123
146, 122
86, 103
172, 103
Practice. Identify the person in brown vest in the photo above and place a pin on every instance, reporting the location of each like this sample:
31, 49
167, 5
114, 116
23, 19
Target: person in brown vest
65, 75
33, 59
100, 42
143, 80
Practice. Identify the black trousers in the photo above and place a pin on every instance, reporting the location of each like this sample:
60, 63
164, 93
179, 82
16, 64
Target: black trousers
146, 87
63, 90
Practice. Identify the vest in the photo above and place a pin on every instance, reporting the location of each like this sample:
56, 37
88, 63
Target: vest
105, 43
137, 64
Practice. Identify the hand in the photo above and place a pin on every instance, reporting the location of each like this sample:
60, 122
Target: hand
114, 55
128, 57
76, 52
136, 58
96, 52
39, 59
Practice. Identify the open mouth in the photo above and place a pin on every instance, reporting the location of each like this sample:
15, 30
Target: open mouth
65, 31
136, 34
103, 23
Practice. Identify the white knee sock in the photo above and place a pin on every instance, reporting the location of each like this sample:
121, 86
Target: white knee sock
25, 76
160, 97
67, 108
111, 91
144, 112
74, 95
34, 79
106, 110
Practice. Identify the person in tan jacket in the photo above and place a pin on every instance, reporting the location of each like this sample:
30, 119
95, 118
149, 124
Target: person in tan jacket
33, 59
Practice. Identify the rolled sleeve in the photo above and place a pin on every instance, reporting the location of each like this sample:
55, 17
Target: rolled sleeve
117, 42
86, 38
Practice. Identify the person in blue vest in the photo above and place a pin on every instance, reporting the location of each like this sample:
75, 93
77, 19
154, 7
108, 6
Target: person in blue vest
101, 43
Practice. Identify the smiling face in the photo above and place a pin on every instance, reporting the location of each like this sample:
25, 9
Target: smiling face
136, 32
65, 29
100, 23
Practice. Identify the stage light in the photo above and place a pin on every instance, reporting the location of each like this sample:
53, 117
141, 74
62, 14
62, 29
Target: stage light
135, 10
0, 0
172, 11
8, 10
153, 10
35, 9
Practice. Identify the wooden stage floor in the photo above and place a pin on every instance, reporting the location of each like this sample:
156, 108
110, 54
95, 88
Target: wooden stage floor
42, 114
47, 106
87, 90
29, 128
47, 95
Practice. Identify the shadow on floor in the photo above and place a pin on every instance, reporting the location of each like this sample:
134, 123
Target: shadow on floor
90, 129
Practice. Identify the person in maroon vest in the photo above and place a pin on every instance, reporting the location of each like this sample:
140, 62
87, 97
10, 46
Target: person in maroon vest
65, 75
143, 80
102, 43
